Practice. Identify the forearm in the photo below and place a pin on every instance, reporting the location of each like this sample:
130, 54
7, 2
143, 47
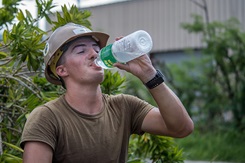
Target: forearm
172, 110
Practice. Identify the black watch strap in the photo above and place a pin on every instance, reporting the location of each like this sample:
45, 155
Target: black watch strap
157, 80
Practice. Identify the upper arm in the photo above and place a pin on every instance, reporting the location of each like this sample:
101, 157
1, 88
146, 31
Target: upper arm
153, 123
37, 152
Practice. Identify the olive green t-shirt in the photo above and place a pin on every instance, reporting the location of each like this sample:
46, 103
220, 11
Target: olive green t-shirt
80, 138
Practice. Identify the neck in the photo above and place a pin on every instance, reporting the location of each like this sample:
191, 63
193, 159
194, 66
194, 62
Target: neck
87, 100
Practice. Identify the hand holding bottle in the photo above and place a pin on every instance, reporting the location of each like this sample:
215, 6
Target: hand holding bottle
140, 67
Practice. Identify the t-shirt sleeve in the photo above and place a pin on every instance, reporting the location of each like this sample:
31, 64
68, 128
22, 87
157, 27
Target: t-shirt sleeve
40, 126
139, 109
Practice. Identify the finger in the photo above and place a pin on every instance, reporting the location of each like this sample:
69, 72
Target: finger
118, 38
122, 66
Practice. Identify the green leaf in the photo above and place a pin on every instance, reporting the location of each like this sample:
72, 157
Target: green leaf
48, 19
13, 146
5, 36
28, 14
3, 55
20, 16
8, 158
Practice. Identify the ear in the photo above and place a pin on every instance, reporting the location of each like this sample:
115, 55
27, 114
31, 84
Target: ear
61, 71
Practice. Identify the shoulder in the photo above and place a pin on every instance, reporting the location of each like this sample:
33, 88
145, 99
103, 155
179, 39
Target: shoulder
56, 103
39, 111
120, 97
41, 126
127, 101
45, 108
45, 112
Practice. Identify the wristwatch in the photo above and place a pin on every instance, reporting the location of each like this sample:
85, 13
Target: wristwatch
157, 80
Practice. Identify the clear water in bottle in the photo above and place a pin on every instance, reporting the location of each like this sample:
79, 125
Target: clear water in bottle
125, 49
132, 46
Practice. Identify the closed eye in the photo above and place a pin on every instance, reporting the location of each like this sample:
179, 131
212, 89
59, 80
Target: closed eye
80, 52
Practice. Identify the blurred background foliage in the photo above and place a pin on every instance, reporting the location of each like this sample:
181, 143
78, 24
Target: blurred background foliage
214, 139
212, 90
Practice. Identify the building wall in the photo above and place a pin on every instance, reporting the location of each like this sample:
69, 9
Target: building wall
162, 19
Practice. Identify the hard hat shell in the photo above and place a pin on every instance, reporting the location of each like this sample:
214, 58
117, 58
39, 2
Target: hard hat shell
58, 38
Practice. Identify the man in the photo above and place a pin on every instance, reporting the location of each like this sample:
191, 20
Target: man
85, 125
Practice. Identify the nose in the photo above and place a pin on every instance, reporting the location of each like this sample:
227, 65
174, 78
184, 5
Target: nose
93, 54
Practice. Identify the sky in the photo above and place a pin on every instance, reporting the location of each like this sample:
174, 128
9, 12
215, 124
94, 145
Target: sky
30, 5
79, 3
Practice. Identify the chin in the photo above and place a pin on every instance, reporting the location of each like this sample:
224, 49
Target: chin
101, 72
102, 79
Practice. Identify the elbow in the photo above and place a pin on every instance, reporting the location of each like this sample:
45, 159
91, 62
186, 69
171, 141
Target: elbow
186, 130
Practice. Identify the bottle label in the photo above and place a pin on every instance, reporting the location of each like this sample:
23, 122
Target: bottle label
107, 57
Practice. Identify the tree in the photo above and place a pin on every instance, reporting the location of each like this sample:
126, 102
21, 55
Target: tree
217, 79
23, 86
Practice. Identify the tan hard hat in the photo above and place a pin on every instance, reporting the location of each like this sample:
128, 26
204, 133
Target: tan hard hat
61, 36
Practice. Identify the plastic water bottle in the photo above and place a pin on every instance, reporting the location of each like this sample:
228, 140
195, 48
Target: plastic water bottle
126, 49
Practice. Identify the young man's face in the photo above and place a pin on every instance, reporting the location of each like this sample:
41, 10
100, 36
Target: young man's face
79, 62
